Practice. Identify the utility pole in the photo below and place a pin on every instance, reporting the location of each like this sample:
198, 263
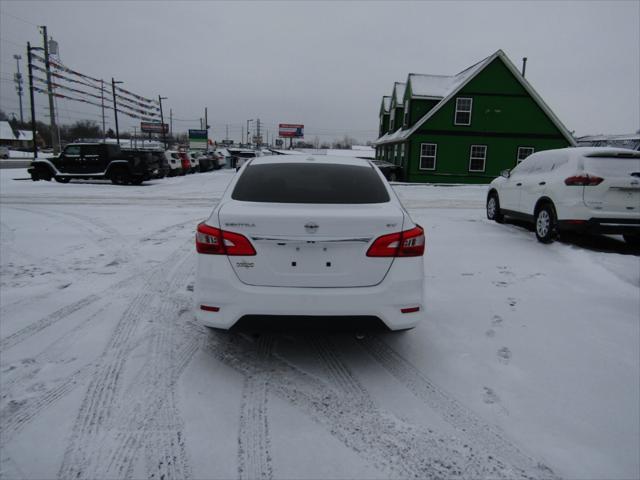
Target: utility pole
115, 108
206, 127
54, 130
258, 142
171, 122
104, 133
248, 138
18, 79
33, 107
226, 136
164, 133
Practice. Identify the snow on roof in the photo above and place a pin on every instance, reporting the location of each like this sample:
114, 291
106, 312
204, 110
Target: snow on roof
308, 158
460, 80
398, 91
594, 138
429, 85
386, 103
25, 135
6, 132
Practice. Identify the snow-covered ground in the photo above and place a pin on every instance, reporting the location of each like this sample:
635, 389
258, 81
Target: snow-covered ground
526, 362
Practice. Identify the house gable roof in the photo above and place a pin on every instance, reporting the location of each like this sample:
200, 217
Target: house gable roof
385, 105
6, 132
458, 82
397, 95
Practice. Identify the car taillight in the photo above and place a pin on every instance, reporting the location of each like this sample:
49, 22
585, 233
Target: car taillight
409, 243
213, 241
583, 180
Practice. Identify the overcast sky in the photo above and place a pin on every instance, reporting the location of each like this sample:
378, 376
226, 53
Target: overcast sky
327, 64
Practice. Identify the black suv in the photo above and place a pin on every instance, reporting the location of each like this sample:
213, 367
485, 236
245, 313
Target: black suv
96, 160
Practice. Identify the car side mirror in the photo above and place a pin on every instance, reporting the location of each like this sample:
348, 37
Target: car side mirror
505, 173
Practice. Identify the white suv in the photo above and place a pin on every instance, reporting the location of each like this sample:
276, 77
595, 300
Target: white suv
303, 236
590, 189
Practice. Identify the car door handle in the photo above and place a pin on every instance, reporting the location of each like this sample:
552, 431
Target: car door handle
542, 183
519, 184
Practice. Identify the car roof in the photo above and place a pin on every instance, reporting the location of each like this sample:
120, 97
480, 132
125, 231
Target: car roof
302, 159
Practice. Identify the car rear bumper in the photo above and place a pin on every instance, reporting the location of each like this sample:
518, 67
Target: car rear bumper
611, 226
218, 286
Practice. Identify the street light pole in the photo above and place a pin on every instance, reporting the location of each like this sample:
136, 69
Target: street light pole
115, 108
164, 133
18, 78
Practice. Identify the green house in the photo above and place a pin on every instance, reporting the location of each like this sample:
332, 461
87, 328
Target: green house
468, 127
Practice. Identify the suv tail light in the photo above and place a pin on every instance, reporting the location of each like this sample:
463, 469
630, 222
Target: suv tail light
583, 180
409, 243
213, 241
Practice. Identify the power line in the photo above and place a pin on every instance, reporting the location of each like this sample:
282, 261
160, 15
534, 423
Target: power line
21, 19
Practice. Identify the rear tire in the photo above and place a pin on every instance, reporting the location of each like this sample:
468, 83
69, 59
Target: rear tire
546, 225
493, 208
137, 181
632, 239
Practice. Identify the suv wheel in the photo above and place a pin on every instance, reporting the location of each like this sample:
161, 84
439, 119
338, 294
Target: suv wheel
493, 208
632, 239
546, 224
120, 177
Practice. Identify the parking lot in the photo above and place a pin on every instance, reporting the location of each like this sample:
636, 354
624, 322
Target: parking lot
525, 365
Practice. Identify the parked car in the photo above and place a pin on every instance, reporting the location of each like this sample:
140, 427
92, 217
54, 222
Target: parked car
193, 159
585, 189
175, 163
240, 155
391, 171
4, 151
298, 235
205, 161
96, 161
186, 163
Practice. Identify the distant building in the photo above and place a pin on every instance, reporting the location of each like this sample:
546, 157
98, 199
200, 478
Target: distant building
15, 139
468, 127
631, 141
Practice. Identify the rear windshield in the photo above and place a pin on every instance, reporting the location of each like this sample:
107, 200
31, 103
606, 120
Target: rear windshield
310, 183
612, 165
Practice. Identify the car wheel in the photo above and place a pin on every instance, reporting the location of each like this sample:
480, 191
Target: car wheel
631, 239
137, 181
546, 224
62, 179
119, 177
493, 208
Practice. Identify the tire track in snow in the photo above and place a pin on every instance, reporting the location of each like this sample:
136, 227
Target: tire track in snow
254, 444
465, 421
114, 422
36, 327
396, 447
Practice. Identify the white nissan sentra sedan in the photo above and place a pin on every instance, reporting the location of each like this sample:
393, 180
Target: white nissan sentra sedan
309, 236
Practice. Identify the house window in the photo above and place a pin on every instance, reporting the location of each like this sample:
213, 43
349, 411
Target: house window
463, 111
401, 153
428, 156
406, 113
392, 119
395, 153
524, 152
477, 158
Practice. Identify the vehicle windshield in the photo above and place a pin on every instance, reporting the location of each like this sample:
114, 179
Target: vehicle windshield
320, 183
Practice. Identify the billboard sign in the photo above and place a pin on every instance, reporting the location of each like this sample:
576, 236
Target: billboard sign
153, 127
289, 130
197, 139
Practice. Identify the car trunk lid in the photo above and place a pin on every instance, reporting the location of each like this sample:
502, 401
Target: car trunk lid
310, 245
